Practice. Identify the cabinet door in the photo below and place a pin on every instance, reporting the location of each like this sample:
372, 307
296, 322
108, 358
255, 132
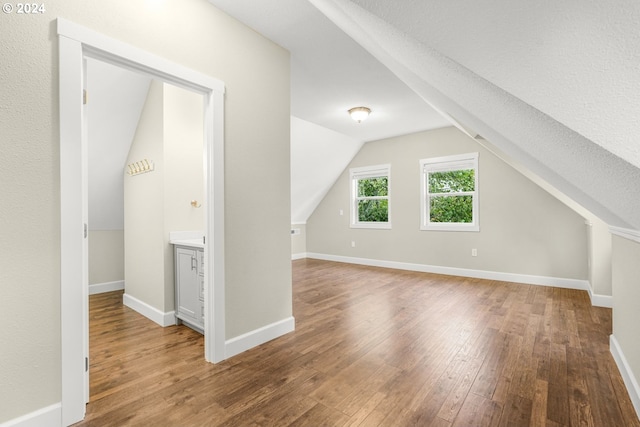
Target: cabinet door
188, 285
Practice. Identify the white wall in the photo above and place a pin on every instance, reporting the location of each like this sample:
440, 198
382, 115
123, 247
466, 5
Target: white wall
196, 35
523, 229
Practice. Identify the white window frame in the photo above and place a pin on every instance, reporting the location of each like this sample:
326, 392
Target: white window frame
443, 164
356, 174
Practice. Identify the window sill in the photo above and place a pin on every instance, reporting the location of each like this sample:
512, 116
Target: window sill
373, 225
451, 227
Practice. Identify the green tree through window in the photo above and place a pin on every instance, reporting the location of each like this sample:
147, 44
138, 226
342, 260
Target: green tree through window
450, 193
370, 196
445, 206
371, 207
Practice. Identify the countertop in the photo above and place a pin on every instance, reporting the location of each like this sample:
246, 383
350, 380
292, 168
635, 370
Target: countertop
191, 243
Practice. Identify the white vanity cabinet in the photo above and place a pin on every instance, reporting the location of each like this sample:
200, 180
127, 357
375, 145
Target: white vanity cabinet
189, 286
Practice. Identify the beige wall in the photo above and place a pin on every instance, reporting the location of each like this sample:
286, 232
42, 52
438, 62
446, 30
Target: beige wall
170, 134
106, 256
144, 206
184, 173
299, 241
626, 299
523, 230
599, 252
196, 35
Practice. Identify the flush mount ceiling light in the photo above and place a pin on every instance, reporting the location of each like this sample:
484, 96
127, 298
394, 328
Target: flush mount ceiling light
359, 113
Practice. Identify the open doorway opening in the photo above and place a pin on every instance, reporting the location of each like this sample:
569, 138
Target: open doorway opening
114, 106
75, 45
145, 187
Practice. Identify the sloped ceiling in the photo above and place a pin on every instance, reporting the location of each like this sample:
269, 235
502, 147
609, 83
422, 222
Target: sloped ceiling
330, 73
554, 87
550, 140
577, 61
115, 101
318, 156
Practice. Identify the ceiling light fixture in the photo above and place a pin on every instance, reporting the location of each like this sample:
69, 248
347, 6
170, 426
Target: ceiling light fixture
359, 113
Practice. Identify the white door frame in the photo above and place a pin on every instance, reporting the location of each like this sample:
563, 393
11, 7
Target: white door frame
75, 44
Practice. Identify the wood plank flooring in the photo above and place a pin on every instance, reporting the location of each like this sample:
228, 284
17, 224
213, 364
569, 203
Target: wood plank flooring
372, 347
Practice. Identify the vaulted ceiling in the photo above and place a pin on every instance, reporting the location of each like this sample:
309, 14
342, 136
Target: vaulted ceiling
553, 87
116, 98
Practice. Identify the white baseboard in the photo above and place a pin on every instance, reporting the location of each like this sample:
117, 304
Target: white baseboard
51, 416
152, 313
100, 288
260, 336
582, 285
298, 256
627, 374
600, 300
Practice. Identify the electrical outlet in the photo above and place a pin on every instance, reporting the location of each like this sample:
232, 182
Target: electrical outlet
341, 212
474, 252
353, 243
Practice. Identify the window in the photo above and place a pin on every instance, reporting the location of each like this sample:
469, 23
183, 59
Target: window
370, 197
450, 193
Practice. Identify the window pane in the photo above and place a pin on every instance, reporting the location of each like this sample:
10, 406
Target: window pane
373, 210
378, 186
451, 209
452, 181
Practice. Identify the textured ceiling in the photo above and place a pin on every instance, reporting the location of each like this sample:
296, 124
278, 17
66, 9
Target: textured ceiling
576, 60
553, 87
116, 98
331, 73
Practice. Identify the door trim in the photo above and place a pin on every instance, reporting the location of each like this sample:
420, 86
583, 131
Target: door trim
75, 44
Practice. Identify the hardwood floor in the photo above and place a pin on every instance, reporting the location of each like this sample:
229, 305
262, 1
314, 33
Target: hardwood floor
372, 347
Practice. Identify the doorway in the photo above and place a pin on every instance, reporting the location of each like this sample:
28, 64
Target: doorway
145, 171
75, 44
